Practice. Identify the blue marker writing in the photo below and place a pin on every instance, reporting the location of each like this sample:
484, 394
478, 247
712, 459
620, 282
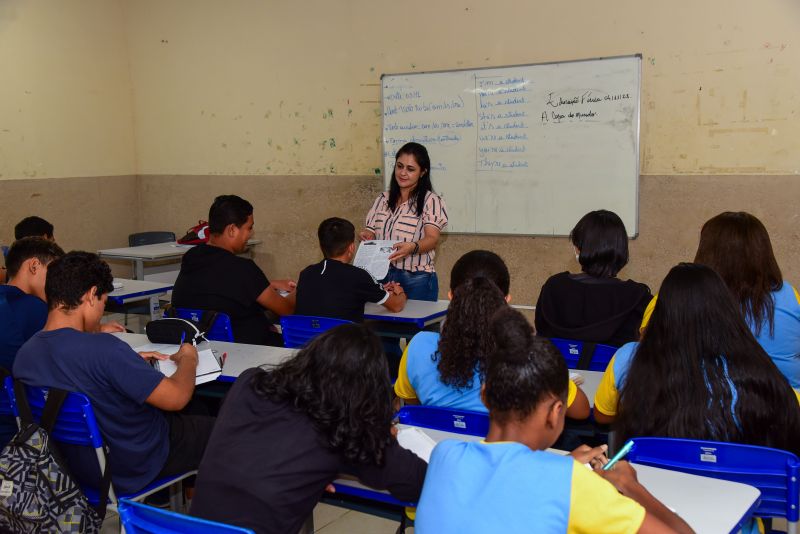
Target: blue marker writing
619, 456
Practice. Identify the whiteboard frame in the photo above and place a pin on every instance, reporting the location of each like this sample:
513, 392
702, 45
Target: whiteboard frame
388, 176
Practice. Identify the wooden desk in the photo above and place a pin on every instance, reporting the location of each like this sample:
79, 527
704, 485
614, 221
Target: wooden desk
160, 252
708, 505
240, 356
136, 290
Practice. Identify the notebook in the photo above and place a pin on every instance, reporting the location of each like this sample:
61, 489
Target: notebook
208, 367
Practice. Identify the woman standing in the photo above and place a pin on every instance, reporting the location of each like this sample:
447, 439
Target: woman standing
412, 214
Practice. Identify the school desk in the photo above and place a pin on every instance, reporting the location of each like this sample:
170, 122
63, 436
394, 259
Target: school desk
238, 356
415, 316
163, 253
137, 290
708, 505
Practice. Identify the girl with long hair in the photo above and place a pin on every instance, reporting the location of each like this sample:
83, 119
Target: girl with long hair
509, 479
698, 373
448, 369
284, 434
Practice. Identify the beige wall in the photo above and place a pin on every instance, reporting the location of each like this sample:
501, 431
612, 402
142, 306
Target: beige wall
282, 107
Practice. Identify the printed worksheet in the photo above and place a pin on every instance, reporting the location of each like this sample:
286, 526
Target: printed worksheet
208, 368
374, 257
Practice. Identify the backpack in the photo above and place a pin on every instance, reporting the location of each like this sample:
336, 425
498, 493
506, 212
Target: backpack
196, 235
36, 493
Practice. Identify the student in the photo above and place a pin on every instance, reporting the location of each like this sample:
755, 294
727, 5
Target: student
737, 246
333, 287
133, 402
284, 434
698, 373
594, 305
213, 277
23, 310
34, 226
448, 369
508, 481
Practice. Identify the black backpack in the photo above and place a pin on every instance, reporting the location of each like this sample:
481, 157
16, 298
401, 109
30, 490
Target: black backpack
36, 492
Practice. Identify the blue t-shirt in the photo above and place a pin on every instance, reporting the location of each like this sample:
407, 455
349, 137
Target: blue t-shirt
423, 375
507, 487
117, 381
784, 346
21, 316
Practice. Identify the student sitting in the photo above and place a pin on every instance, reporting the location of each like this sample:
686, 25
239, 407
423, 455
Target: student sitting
447, 370
23, 310
508, 482
594, 305
698, 373
213, 277
284, 434
133, 402
333, 287
34, 226
737, 246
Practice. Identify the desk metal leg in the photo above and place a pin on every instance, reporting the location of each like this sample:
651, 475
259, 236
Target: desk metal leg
138, 270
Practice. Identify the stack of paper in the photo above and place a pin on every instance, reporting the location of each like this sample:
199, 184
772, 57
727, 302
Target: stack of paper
416, 441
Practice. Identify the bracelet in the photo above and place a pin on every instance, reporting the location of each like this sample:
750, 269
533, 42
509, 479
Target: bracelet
416, 248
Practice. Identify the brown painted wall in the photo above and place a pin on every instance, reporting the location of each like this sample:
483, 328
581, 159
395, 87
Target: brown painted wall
88, 213
289, 208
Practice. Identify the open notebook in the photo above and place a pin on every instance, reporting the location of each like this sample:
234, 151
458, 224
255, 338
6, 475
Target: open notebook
208, 367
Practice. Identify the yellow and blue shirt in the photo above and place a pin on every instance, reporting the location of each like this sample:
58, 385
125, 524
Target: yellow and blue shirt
506, 486
783, 346
418, 379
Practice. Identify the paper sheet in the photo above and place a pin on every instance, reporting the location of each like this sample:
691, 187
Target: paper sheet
374, 257
416, 441
208, 368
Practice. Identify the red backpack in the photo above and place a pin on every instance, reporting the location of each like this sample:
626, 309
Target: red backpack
196, 235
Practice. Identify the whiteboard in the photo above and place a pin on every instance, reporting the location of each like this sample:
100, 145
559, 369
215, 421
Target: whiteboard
526, 149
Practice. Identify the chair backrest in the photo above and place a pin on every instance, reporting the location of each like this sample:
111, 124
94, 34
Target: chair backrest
446, 419
138, 518
300, 329
76, 423
776, 473
150, 238
221, 330
584, 355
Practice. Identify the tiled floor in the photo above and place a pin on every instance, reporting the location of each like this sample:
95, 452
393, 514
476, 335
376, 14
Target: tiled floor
327, 519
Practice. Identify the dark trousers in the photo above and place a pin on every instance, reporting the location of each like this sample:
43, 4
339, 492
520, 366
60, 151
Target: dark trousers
188, 436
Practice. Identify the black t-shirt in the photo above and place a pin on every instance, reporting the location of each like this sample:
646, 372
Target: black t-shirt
265, 467
339, 290
211, 278
585, 308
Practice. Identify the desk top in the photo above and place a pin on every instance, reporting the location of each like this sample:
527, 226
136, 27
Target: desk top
708, 505
158, 251
240, 356
420, 312
132, 289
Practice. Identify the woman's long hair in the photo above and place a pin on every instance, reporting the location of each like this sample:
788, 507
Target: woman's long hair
696, 358
737, 246
466, 339
341, 382
417, 197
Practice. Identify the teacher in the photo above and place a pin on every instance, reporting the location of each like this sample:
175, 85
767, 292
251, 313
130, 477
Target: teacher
414, 216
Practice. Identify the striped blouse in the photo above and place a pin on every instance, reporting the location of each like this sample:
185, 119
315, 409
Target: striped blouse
405, 225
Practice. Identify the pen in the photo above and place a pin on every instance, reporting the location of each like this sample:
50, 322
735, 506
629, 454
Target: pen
183, 336
224, 357
619, 456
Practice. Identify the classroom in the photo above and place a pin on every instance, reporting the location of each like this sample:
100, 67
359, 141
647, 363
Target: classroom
124, 116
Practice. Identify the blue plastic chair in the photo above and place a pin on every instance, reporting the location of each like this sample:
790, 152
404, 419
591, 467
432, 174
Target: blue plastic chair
138, 518
77, 425
300, 329
221, 330
449, 420
584, 355
774, 472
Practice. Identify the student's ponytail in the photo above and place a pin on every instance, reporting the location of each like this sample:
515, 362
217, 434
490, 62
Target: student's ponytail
523, 369
466, 341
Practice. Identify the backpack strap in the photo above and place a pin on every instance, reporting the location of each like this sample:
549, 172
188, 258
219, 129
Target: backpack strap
586, 356
23, 408
55, 399
105, 487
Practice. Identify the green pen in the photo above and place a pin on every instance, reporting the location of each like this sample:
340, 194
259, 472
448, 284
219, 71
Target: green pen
619, 456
